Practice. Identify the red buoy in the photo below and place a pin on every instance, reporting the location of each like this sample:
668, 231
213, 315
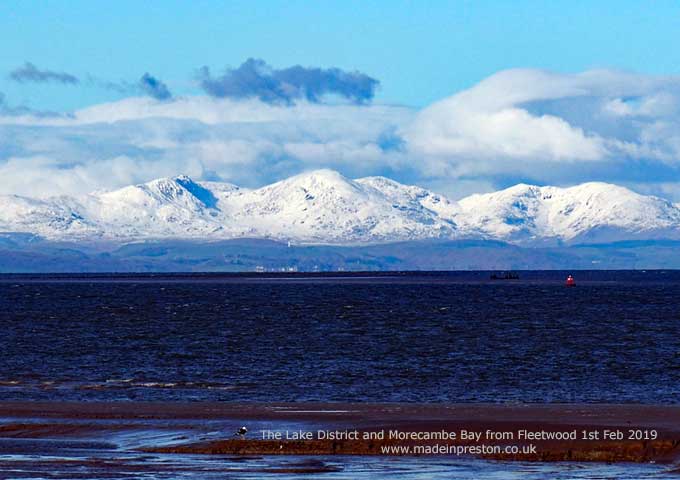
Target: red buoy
570, 281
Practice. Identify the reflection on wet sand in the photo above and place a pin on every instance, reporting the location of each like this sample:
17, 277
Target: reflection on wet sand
164, 441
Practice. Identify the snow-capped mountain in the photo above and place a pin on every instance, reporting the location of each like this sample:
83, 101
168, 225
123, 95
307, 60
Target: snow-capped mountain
586, 213
325, 207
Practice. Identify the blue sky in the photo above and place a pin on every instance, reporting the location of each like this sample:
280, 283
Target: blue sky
420, 51
473, 96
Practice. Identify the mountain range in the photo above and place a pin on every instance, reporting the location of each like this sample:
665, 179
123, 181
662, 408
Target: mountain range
325, 208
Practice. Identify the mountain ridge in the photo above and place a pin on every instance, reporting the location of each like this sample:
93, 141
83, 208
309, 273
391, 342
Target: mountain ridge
324, 207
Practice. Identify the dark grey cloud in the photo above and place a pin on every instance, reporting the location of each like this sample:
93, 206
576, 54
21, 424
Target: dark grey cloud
254, 78
30, 73
154, 87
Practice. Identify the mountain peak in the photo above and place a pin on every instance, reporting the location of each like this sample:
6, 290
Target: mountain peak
593, 211
183, 178
181, 189
205, 196
317, 183
323, 206
323, 177
380, 181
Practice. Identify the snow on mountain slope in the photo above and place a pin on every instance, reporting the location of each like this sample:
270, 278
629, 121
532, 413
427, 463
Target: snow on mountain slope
167, 207
591, 212
411, 198
49, 218
325, 207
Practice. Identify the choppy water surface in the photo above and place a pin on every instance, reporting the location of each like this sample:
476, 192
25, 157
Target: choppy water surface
455, 337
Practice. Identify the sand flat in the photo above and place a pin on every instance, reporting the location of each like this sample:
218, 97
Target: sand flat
207, 428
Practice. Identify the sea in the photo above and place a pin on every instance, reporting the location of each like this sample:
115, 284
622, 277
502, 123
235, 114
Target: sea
449, 337
391, 337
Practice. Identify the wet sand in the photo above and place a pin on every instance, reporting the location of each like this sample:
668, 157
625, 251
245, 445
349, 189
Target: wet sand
208, 428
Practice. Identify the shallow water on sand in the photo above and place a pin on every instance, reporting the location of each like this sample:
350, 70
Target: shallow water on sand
114, 457
122, 465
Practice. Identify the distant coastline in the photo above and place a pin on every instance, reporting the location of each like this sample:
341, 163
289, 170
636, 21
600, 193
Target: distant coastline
28, 254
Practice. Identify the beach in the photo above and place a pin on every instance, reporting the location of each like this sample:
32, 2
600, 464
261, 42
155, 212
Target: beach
39, 436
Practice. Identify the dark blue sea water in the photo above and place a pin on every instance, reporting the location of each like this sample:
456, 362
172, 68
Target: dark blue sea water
441, 337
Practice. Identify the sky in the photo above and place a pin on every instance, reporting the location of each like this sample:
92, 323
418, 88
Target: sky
457, 96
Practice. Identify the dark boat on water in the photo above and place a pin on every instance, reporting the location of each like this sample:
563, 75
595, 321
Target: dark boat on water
505, 276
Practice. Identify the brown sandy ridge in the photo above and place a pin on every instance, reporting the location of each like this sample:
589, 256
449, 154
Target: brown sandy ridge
664, 420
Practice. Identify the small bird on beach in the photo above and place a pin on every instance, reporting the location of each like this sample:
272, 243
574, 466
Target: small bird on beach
241, 432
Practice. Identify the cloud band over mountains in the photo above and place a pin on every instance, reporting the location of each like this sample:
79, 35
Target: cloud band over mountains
517, 125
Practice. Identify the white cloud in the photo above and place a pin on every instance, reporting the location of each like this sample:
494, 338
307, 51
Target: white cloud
41, 176
137, 139
554, 128
517, 125
448, 129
